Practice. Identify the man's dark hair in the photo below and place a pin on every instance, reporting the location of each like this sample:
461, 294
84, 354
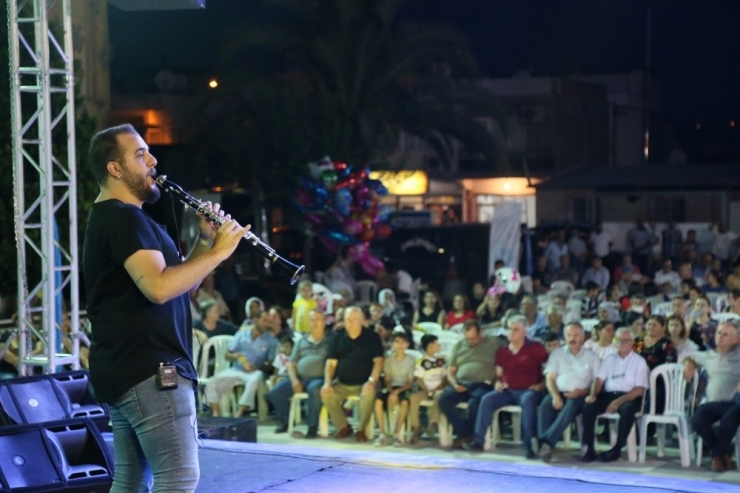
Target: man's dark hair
590, 285
104, 148
470, 325
550, 337
427, 339
287, 339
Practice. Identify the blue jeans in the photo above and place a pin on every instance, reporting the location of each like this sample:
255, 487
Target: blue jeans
551, 423
492, 401
281, 394
155, 438
462, 427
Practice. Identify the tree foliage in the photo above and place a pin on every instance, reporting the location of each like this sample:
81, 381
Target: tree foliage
342, 78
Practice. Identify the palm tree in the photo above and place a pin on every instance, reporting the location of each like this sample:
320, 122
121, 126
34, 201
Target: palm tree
342, 78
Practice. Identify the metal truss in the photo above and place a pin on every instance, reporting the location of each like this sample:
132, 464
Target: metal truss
42, 110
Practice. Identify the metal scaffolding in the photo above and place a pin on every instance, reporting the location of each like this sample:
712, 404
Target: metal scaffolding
42, 110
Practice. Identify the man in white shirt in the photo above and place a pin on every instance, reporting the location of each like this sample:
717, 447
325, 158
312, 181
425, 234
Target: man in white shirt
724, 241
667, 275
601, 241
619, 387
556, 249
569, 373
596, 273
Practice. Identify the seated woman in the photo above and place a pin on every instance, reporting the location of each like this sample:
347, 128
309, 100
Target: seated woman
210, 323
701, 326
680, 336
431, 311
656, 345
387, 300
602, 340
491, 311
460, 312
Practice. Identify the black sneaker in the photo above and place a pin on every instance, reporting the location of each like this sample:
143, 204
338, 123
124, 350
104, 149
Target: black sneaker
312, 432
281, 429
529, 453
472, 446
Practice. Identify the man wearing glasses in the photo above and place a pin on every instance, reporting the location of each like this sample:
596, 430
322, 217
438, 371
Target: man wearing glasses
619, 387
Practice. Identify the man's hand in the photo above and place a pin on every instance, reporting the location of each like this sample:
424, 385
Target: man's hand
499, 386
368, 389
227, 239
590, 399
327, 391
297, 387
557, 403
208, 229
614, 406
575, 394
460, 388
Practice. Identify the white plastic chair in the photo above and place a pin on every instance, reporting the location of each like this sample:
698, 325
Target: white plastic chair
588, 324
430, 328
366, 291
564, 286
722, 301
445, 428
700, 445
457, 328
673, 414
294, 417
219, 345
527, 284
724, 317
577, 294
613, 419
417, 335
573, 309
664, 308
656, 300
415, 288
712, 297
494, 433
447, 340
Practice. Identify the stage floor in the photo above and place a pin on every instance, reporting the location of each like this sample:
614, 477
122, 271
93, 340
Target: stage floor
283, 463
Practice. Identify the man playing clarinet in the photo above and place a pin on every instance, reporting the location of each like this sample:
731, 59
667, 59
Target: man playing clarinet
137, 300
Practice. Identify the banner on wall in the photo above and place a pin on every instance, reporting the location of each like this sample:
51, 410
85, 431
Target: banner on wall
505, 235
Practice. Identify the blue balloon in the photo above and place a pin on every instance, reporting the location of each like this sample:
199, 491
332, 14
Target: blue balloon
338, 236
384, 210
378, 186
342, 201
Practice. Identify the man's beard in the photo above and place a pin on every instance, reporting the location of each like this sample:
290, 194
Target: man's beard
138, 186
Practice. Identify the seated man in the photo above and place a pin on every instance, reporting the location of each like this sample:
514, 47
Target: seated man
569, 373
596, 273
352, 368
471, 372
305, 374
723, 371
519, 381
623, 378
554, 324
565, 272
249, 352
431, 378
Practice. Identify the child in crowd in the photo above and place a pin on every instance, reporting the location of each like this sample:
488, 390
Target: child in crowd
281, 361
592, 300
551, 341
431, 378
398, 372
303, 304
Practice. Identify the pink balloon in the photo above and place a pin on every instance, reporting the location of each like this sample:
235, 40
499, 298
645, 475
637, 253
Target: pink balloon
372, 265
352, 227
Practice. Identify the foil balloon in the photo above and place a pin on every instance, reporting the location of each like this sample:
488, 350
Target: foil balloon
352, 227
329, 179
342, 201
509, 278
317, 167
338, 236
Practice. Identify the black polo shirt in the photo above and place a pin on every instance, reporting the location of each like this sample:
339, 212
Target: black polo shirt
355, 356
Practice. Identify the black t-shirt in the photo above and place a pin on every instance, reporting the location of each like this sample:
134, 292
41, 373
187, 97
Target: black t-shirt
131, 335
355, 356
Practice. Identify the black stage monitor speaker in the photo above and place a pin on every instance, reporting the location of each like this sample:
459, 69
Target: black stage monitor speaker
55, 397
61, 456
130, 5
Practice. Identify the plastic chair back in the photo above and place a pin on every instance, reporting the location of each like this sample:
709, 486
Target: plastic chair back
430, 328
724, 317
675, 388
219, 345
564, 286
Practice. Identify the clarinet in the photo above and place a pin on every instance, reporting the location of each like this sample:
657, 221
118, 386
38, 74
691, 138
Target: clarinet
288, 268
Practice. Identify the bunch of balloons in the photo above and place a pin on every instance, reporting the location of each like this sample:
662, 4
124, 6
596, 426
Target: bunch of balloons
340, 205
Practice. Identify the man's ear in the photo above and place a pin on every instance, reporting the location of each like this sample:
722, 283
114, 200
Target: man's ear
114, 169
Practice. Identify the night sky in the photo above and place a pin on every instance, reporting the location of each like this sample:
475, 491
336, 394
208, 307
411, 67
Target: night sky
695, 44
